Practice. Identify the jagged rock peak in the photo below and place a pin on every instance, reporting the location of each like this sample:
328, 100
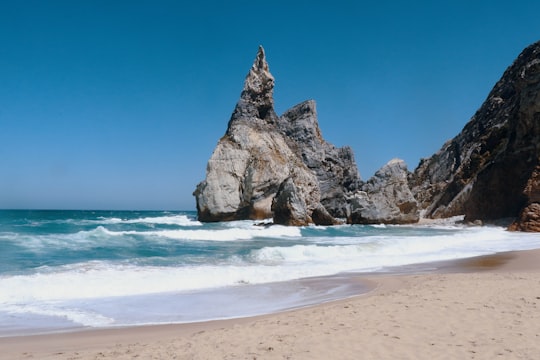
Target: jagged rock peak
259, 78
257, 98
253, 159
335, 168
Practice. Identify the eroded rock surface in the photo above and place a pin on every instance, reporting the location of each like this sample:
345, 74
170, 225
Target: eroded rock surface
288, 206
334, 167
281, 167
267, 165
529, 218
482, 173
253, 159
385, 198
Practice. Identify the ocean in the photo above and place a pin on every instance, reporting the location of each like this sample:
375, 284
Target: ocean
68, 270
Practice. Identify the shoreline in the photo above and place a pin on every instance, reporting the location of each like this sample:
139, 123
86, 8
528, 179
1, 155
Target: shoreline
286, 295
245, 301
452, 294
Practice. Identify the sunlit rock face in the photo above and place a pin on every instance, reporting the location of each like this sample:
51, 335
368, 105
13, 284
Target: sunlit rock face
281, 167
253, 159
385, 198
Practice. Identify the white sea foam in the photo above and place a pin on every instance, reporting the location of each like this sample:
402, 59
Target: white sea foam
80, 240
99, 279
231, 234
180, 220
96, 279
177, 219
101, 236
383, 251
78, 316
66, 291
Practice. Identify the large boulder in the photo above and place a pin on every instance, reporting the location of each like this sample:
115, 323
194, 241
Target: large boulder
482, 173
289, 207
253, 159
385, 198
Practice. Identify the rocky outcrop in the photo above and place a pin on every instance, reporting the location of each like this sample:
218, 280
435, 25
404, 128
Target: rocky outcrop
529, 218
485, 171
288, 207
281, 167
385, 198
253, 160
268, 165
335, 168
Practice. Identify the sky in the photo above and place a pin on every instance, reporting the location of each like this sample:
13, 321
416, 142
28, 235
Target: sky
119, 104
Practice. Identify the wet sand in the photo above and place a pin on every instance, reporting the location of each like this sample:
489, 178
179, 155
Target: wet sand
481, 308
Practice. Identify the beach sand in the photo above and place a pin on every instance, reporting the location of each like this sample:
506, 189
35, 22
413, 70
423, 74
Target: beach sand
482, 308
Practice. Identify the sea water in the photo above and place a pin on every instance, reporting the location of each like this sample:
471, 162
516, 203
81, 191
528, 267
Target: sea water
62, 270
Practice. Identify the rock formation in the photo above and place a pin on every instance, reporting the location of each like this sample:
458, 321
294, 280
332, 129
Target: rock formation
281, 167
288, 207
335, 168
385, 198
267, 165
529, 218
254, 160
487, 172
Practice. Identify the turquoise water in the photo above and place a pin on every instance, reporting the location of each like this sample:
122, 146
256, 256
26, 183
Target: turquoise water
70, 269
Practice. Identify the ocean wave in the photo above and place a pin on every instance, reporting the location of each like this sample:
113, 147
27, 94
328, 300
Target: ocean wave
102, 237
101, 279
231, 234
140, 263
228, 234
384, 250
180, 220
80, 240
97, 279
177, 219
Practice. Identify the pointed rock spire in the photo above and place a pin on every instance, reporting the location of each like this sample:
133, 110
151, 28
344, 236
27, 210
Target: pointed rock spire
259, 80
266, 167
257, 98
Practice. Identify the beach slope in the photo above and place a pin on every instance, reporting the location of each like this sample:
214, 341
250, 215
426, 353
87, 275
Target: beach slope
482, 308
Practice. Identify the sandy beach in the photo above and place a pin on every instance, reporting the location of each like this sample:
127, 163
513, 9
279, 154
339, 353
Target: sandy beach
481, 308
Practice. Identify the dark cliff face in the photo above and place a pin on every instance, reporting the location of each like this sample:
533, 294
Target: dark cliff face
482, 173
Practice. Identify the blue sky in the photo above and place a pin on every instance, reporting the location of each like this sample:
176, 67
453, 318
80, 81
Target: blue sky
119, 104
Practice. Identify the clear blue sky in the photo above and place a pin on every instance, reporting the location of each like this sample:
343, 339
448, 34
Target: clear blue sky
119, 104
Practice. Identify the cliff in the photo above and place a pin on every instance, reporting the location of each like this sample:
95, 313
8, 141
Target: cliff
487, 172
